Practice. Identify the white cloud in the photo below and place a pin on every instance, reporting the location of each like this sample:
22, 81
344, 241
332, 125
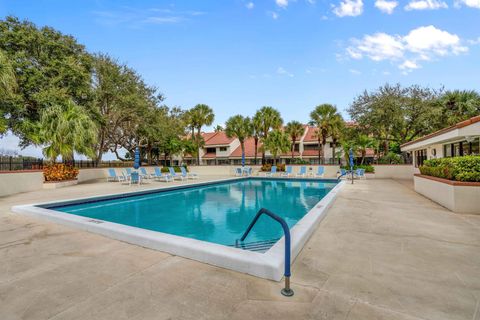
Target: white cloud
272, 14
355, 72
386, 6
282, 3
379, 46
250, 5
429, 41
282, 71
468, 3
425, 5
311, 1
420, 44
163, 20
351, 8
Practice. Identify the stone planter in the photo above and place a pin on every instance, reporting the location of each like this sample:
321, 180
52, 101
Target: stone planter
59, 184
370, 175
457, 196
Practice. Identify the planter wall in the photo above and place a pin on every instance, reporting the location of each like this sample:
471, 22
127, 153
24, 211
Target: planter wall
59, 184
461, 197
18, 182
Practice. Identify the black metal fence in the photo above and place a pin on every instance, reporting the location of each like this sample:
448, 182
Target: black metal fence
19, 163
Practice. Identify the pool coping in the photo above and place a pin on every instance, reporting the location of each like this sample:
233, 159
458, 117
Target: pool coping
267, 265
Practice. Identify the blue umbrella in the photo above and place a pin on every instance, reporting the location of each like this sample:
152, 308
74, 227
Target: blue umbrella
350, 155
136, 163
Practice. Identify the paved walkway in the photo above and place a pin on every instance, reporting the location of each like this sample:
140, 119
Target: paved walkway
383, 252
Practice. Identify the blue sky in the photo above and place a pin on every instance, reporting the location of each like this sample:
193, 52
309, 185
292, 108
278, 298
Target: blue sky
237, 56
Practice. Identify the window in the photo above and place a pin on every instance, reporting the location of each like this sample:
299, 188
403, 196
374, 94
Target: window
310, 147
222, 149
211, 150
420, 156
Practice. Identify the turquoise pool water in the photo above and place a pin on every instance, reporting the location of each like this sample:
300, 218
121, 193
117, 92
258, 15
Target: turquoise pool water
217, 213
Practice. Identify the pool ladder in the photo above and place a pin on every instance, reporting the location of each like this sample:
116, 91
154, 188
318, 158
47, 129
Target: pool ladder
286, 291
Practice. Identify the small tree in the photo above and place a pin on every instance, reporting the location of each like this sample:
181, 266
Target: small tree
65, 130
363, 142
241, 128
277, 142
295, 130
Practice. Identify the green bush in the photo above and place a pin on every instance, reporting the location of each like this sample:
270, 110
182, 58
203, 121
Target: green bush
368, 168
465, 168
300, 161
176, 168
268, 167
391, 158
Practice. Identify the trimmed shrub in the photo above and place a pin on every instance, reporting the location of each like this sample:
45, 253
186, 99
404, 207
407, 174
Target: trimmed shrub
268, 167
465, 168
59, 172
368, 168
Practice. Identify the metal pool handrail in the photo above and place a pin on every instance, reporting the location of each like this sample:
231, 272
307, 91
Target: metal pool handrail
287, 291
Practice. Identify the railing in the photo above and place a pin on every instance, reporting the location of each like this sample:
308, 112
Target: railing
19, 164
287, 291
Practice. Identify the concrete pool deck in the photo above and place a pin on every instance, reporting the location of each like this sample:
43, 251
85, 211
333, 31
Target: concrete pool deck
382, 252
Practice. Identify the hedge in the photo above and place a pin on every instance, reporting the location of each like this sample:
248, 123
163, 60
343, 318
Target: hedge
466, 168
368, 168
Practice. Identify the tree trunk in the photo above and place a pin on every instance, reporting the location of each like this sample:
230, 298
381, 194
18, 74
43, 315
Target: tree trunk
333, 151
293, 147
198, 145
363, 156
319, 151
256, 148
242, 144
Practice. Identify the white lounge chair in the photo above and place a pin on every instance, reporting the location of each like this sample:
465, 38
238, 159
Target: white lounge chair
320, 172
288, 172
302, 172
175, 175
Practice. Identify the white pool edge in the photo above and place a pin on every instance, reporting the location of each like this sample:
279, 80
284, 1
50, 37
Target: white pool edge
268, 265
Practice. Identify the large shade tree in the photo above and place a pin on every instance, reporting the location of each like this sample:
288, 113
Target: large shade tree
239, 127
44, 61
267, 118
8, 85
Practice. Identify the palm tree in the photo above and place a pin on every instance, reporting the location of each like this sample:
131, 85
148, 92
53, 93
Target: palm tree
267, 118
201, 115
218, 128
322, 117
8, 84
241, 128
363, 142
257, 128
65, 130
295, 130
459, 105
277, 142
337, 129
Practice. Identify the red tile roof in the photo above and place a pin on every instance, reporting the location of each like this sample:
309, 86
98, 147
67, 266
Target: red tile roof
249, 150
209, 155
310, 153
445, 130
311, 135
217, 138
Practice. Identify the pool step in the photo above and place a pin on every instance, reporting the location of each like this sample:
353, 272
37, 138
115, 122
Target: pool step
257, 246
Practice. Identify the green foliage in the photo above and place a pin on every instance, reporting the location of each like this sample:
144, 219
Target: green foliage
44, 60
299, 161
239, 127
327, 120
197, 117
277, 142
264, 120
465, 168
368, 168
458, 106
267, 167
391, 158
175, 168
65, 129
295, 130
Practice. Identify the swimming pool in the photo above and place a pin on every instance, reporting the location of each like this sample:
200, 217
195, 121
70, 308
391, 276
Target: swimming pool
202, 221
217, 213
